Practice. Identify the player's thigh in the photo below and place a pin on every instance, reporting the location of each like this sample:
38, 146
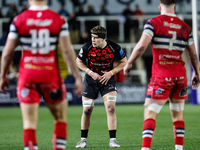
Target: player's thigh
90, 88
180, 89
159, 88
153, 107
27, 92
109, 89
29, 115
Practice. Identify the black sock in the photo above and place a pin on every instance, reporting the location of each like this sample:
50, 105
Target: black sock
84, 133
112, 133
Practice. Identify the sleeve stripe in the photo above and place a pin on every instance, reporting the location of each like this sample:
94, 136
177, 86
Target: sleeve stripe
64, 33
12, 35
149, 29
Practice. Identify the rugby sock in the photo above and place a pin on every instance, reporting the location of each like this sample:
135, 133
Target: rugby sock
112, 133
149, 126
179, 130
84, 133
59, 136
29, 138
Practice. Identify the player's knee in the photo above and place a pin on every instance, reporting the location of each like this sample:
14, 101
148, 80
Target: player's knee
177, 106
111, 109
88, 104
153, 107
87, 111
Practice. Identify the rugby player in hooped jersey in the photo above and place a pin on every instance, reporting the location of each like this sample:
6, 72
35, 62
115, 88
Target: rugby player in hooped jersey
100, 55
38, 30
169, 37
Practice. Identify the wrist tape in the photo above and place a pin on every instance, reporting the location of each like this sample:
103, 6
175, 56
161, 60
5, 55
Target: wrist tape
88, 71
114, 71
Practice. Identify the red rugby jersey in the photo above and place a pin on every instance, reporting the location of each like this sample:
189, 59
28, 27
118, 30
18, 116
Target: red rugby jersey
38, 29
170, 36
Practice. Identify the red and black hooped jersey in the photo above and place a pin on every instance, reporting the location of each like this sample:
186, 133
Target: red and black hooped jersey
101, 59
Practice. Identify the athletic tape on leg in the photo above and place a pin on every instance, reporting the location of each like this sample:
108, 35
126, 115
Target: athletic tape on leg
177, 106
88, 103
154, 107
109, 98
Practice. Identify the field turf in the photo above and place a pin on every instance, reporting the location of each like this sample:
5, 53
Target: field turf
129, 128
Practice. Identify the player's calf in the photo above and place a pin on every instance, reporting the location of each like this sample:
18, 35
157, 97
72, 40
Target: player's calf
29, 138
59, 136
178, 126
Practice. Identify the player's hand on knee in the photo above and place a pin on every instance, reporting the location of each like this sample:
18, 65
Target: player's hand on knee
105, 77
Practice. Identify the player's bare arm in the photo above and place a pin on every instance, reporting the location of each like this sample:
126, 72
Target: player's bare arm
107, 75
6, 61
195, 64
137, 52
69, 56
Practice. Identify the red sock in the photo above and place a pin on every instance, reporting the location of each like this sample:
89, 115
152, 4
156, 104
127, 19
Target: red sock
179, 130
149, 126
59, 136
29, 138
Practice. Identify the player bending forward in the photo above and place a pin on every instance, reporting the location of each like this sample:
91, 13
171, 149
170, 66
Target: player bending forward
99, 77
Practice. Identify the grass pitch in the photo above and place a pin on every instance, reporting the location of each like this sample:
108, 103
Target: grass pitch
129, 128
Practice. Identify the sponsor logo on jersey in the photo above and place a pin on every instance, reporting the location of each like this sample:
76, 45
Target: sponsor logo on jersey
168, 63
25, 92
171, 25
121, 52
111, 86
165, 56
31, 66
39, 22
33, 59
98, 64
159, 91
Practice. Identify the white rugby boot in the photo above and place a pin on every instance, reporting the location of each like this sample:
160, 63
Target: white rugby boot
82, 143
114, 143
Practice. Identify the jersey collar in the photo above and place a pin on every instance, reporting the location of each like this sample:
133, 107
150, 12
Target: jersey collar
37, 7
168, 14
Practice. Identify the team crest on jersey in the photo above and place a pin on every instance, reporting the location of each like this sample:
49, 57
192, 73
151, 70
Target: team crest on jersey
25, 92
